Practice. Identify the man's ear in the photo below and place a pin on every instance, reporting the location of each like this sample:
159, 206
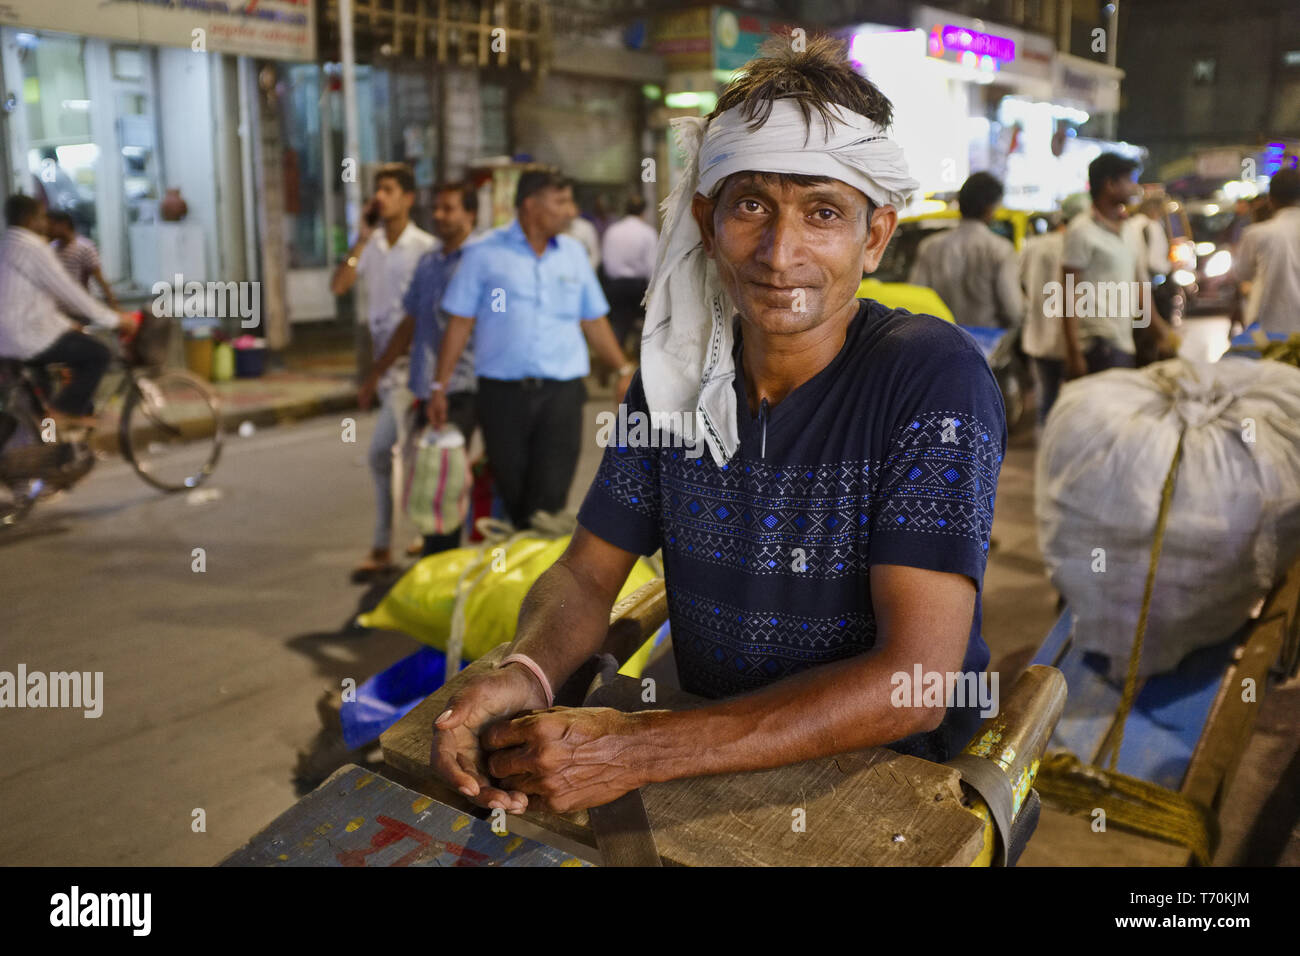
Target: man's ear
702, 210
883, 223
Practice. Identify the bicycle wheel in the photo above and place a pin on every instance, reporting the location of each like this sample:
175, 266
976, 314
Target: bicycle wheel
170, 430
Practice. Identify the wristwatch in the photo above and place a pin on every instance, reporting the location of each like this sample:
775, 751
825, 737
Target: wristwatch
627, 369
351, 262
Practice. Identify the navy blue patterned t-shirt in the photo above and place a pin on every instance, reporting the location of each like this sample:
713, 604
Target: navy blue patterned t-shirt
888, 455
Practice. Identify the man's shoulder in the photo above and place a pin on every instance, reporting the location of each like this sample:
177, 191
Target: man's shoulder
419, 239
893, 334
571, 245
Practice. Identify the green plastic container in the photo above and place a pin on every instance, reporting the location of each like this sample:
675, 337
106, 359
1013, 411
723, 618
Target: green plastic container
223, 362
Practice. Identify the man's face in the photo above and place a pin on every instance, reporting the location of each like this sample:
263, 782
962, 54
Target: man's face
1123, 190
392, 201
451, 221
791, 257
551, 210
57, 230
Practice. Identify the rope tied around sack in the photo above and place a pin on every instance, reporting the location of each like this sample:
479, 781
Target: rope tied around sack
1137, 805
1144, 612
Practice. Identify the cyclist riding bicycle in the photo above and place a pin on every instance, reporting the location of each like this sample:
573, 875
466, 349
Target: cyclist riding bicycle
37, 298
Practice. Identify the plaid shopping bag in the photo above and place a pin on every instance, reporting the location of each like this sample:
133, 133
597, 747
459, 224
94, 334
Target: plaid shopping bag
436, 496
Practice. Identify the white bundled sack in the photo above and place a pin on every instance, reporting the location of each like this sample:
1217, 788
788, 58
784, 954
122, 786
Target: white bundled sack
1234, 520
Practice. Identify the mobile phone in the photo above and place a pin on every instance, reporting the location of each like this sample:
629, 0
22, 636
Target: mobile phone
372, 214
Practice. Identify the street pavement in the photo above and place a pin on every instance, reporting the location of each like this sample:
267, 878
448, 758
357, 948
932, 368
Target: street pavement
211, 678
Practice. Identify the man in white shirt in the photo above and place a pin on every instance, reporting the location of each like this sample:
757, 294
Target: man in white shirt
583, 230
1145, 229
386, 257
36, 297
974, 270
1099, 261
628, 250
1268, 258
1043, 338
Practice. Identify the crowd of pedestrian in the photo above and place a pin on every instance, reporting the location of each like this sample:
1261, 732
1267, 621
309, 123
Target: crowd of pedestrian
490, 331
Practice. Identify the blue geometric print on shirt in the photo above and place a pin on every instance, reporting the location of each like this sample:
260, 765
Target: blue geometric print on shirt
750, 515
722, 649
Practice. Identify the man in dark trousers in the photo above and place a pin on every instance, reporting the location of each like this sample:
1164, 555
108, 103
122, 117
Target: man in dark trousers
530, 296
627, 253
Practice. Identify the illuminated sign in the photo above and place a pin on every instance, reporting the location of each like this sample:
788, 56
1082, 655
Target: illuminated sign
952, 39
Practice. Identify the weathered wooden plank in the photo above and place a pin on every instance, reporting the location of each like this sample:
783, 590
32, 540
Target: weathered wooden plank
855, 807
359, 818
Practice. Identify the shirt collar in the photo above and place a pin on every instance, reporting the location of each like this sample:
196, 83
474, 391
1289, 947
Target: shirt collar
382, 235
516, 234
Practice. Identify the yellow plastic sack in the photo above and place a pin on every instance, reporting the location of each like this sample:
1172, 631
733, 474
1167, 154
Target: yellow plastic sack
421, 603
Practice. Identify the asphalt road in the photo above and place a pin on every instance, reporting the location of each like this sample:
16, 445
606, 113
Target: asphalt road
209, 678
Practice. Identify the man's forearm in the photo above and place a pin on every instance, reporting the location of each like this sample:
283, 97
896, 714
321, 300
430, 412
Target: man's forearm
563, 622
453, 344
1070, 324
108, 291
345, 274
820, 712
601, 339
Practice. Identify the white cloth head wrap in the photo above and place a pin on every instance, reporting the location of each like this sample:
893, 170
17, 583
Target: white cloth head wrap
686, 348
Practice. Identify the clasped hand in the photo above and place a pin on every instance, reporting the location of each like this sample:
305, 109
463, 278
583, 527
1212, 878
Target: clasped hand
498, 748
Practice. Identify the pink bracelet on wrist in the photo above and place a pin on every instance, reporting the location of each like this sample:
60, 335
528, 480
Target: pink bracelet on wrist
537, 672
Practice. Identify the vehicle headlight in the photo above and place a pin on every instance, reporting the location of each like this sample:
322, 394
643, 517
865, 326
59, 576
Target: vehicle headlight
1218, 264
1204, 248
1184, 277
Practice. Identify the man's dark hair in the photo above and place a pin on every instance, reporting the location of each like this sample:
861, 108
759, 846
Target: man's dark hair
20, 209
1284, 187
468, 194
635, 206
819, 78
62, 218
1107, 167
980, 193
533, 181
400, 173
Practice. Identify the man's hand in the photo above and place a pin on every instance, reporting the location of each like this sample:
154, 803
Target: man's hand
437, 408
366, 393
569, 757
364, 228
127, 323
458, 757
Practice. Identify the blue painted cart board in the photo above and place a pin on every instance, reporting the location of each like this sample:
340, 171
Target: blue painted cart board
359, 818
1168, 715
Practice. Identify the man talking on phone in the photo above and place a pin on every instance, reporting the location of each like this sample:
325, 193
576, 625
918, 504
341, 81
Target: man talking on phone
387, 258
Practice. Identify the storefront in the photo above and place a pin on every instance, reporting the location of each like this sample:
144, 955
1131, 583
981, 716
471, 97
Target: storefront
974, 95
86, 91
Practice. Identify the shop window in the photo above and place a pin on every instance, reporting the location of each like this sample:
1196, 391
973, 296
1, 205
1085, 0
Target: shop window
61, 156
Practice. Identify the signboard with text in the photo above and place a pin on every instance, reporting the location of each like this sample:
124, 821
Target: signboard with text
275, 29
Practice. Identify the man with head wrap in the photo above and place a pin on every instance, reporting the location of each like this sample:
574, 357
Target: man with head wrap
834, 536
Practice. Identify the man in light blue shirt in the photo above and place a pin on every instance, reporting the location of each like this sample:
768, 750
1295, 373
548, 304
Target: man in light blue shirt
530, 296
